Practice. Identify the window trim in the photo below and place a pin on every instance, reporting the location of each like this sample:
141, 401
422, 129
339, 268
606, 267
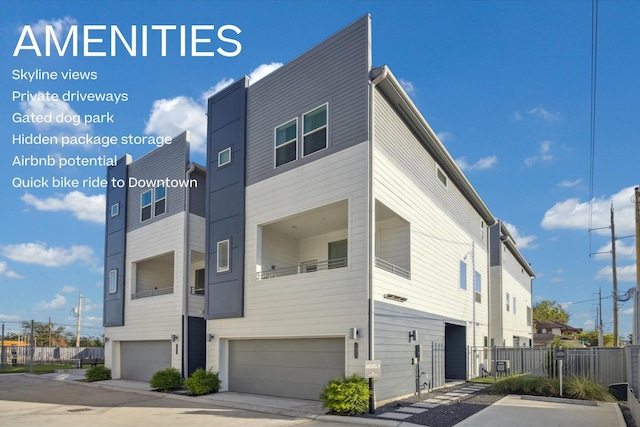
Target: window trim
113, 281
325, 126
463, 275
142, 205
115, 209
291, 141
442, 177
226, 268
153, 202
228, 149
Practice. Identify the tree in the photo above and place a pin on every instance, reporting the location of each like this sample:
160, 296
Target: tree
549, 311
59, 337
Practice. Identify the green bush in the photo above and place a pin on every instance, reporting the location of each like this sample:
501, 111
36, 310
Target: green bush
202, 382
586, 389
98, 373
526, 384
346, 395
166, 380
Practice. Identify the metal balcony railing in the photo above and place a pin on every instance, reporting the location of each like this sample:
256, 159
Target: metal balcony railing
152, 293
197, 291
307, 267
391, 268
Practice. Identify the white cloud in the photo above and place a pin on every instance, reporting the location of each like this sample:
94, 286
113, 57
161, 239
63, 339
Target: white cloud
58, 25
625, 273
588, 325
482, 164
522, 241
408, 87
545, 155
54, 108
38, 253
4, 271
83, 207
544, 114
444, 136
623, 251
57, 302
517, 116
9, 317
574, 214
569, 184
172, 116
68, 289
627, 311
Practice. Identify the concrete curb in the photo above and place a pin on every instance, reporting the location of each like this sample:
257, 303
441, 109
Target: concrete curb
364, 421
560, 400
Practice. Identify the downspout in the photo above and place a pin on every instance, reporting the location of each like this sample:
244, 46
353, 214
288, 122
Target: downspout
370, 260
186, 269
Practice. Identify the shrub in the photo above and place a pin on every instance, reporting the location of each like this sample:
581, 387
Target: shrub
202, 382
526, 384
98, 373
346, 395
587, 389
166, 380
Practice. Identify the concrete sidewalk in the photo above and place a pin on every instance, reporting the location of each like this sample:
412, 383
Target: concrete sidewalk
531, 411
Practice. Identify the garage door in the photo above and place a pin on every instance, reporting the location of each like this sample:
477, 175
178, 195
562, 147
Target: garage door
298, 368
141, 359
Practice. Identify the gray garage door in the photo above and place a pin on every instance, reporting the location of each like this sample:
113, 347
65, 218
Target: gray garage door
298, 368
141, 359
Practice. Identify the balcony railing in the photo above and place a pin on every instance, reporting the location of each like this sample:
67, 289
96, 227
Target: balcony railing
152, 293
391, 268
307, 267
197, 291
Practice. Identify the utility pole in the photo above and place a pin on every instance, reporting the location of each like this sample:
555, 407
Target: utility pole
79, 320
615, 280
600, 331
50, 332
636, 297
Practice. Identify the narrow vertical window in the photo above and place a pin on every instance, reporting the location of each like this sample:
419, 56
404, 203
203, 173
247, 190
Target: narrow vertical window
224, 157
113, 281
160, 200
145, 205
514, 305
478, 287
223, 256
315, 130
463, 275
286, 143
507, 301
115, 209
442, 177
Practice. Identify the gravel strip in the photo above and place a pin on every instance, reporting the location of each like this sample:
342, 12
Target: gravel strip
445, 415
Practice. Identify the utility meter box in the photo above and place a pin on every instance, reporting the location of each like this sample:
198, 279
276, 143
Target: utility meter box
502, 366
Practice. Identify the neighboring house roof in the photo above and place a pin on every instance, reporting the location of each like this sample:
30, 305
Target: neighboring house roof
556, 325
545, 339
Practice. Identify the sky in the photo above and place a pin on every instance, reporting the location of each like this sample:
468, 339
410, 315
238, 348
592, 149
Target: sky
505, 85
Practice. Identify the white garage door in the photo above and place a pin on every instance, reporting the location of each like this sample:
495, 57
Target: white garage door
298, 368
141, 359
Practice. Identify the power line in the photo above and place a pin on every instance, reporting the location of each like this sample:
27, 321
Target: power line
594, 73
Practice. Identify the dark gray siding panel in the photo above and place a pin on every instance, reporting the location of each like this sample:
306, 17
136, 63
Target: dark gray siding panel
333, 72
198, 195
226, 201
115, 243
168, 161
495, 248
455, 348
197, 344
392, 347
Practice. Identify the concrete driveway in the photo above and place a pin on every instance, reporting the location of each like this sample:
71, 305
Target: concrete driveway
27, 400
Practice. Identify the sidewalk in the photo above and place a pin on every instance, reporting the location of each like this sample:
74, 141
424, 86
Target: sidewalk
523, 411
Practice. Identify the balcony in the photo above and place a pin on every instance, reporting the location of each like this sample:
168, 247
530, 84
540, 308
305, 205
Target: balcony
153, 276
391, 268
308, 267
393, 242
152, 293
306, 242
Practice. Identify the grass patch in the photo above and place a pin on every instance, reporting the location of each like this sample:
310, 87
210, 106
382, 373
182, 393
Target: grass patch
573, 387
37, 369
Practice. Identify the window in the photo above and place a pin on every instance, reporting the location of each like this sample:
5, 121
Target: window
514, 305
507, 301
153, 203
145, 205
463, 275
115, 209
478, 287
338, 254
315, 130
198, 287
442, 177
529, 316
286, 142
223, 256
113, 281
224, 157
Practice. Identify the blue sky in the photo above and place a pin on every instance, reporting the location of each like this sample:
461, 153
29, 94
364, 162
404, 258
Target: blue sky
506, 85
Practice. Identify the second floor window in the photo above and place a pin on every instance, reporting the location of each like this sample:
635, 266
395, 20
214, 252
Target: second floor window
153, 203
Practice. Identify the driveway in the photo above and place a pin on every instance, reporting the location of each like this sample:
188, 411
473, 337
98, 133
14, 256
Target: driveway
33, 401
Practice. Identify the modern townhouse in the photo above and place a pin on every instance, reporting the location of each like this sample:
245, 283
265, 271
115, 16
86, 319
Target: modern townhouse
335, 229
